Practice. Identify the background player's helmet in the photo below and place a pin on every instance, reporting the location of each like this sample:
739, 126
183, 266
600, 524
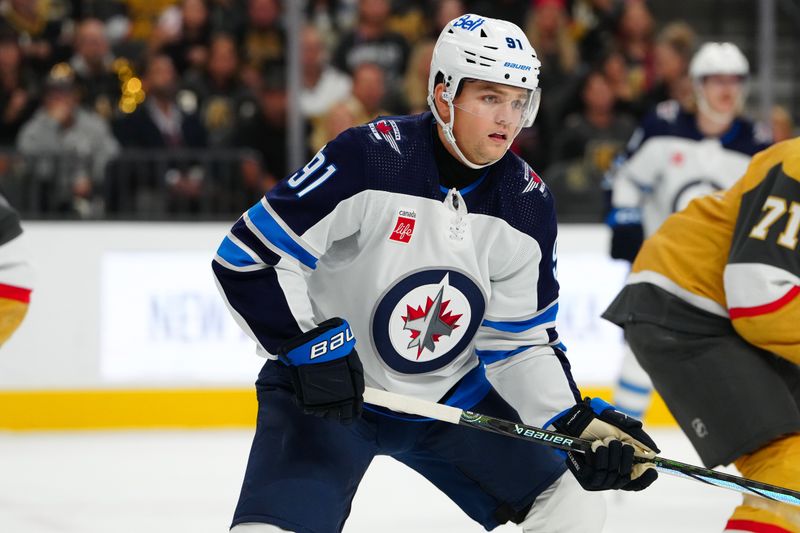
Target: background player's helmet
718, 58
480, 48
715, 59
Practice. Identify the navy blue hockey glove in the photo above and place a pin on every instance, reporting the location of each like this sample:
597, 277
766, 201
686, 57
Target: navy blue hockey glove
327, 375
626, 241
615, 437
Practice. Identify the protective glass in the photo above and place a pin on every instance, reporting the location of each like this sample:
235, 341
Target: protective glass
513, 112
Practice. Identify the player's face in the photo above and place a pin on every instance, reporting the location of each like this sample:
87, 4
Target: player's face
488, 117
723, 92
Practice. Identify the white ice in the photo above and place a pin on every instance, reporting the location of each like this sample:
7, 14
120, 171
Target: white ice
188, 482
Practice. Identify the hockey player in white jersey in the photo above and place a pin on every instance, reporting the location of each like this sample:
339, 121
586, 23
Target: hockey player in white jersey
417, 254
675, 156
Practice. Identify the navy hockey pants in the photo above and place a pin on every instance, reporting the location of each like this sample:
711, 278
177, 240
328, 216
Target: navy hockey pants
303, 471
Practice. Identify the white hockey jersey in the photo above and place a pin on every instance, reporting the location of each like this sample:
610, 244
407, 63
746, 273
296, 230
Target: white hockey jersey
442, 289
671, 162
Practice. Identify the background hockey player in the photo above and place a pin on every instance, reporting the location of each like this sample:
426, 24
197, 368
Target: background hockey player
677, 155
711, 310
425, 241
16, 275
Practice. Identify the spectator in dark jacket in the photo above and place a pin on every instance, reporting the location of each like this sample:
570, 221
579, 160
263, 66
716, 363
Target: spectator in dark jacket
42, 32
186, 42
92, 63
264, 40
584, 149
220, 95
265, 132
18, 93
160, 123
372, 42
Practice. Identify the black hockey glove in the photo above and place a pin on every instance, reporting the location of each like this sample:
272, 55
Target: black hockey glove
327, 375
626, 240
615, 438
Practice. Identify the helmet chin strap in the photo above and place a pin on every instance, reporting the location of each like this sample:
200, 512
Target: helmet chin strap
447, 128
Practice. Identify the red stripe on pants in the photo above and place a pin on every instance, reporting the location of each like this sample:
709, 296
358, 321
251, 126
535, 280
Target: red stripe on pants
755, 527
11, 292
740, 312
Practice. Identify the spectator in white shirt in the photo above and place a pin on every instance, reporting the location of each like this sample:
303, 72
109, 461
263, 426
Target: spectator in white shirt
323, 85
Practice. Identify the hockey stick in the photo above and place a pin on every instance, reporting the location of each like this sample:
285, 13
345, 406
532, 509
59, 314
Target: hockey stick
454, 415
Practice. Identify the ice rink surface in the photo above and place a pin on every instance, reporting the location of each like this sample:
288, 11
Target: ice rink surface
188, 482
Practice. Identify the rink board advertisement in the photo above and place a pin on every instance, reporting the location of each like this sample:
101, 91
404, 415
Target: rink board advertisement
171, 323
135, 305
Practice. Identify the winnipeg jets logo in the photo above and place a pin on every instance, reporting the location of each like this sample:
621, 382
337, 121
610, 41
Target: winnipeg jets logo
426, 319
693, 189
386, 130
428, 325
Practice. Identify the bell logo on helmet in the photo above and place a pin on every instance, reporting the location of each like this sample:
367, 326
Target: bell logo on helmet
468, 23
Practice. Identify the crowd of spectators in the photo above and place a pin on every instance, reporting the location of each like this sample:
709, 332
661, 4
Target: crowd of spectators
185, 91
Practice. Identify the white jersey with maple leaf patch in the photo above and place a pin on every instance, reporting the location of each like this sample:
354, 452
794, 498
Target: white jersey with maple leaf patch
672, 162
448, 293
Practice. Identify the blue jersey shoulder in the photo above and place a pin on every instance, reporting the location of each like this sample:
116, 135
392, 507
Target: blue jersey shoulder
398, 155
333, 175
670, 119
526, 203
667, 119
521, 197
747, 137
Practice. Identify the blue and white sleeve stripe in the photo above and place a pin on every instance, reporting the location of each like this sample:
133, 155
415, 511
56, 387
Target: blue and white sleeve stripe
265, 225
236, 255
488, 357
545, 317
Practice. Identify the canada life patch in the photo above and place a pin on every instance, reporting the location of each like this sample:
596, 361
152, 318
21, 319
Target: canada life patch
404, 226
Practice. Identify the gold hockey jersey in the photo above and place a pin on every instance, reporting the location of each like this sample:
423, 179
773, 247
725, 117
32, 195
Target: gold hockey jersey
735, 253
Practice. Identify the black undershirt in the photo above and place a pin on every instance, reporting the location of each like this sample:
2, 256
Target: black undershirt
452, 172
